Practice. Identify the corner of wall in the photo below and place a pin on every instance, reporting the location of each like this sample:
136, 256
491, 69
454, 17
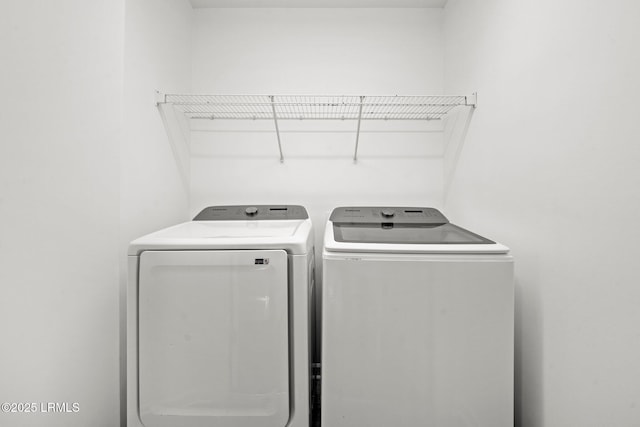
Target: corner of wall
178, 132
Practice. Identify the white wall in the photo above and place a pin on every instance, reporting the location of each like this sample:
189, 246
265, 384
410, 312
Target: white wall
317, 51
60, 121
85, 166
550, 167
154, 182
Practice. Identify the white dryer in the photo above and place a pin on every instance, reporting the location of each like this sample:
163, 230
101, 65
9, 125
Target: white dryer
218, 320
417, 322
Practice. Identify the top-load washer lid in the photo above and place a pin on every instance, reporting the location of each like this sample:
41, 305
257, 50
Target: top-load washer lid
401, 229
235, 227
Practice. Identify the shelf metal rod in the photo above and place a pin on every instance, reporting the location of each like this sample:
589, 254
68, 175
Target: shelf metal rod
275, 120
355, 154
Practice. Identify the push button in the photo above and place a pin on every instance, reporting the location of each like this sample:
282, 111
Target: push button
251, 210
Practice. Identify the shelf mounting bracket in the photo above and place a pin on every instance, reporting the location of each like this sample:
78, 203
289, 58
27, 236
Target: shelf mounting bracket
472, 100
355, 153
275, 121
160, 98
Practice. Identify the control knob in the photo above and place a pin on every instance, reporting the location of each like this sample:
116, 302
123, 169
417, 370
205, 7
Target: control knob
388, 213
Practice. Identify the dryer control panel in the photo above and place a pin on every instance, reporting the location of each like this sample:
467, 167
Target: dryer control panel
252, 212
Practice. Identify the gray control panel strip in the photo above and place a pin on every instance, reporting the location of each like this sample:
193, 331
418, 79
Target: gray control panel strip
252, 212
387, 215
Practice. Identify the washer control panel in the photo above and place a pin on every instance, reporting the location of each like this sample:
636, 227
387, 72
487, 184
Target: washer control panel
252, 212
387, 215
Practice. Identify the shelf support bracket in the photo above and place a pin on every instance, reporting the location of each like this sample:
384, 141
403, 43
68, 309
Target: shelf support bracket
472, 100
160, 98
275, 121
355, 153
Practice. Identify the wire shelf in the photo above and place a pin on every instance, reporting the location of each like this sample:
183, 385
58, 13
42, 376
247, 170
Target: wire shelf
309, 107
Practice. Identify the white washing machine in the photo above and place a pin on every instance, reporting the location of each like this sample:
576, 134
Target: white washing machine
417, 322
218, 320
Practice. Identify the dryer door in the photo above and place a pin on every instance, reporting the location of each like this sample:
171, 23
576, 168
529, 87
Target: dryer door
213, 338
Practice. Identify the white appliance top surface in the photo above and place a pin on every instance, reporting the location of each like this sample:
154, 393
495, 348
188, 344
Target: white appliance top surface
294, 236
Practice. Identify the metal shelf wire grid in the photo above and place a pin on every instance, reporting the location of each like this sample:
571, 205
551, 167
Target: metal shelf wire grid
309, 107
